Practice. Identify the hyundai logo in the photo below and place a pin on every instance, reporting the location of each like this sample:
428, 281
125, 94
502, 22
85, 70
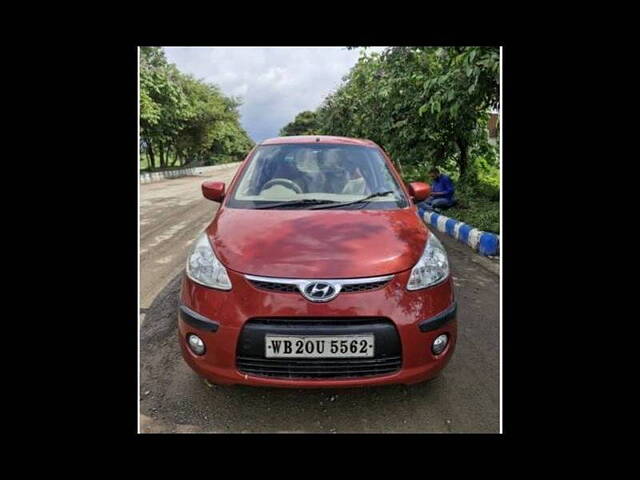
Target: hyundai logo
320, 291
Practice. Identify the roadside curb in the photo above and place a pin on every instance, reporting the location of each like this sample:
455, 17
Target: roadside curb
150, 177
484, 243
490, 264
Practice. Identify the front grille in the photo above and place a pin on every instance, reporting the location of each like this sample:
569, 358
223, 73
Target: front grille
360, 287
250, 358
277, 287
291, 288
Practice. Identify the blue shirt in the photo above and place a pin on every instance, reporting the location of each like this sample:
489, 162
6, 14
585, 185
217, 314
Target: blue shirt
443, 184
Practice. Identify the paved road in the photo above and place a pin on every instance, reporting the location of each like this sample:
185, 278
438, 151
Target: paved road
172, 213
465, 398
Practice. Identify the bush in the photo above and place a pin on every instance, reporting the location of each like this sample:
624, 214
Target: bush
415, 173
479, 197
479, 213
487, 179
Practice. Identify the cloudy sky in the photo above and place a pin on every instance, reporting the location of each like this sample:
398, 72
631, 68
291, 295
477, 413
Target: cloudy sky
275, 83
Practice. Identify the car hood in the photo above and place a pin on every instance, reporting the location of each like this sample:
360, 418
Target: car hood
318, 243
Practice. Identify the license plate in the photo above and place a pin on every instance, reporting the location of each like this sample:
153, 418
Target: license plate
319, 346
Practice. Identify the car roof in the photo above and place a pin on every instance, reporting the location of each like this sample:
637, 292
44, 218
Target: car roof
322, 139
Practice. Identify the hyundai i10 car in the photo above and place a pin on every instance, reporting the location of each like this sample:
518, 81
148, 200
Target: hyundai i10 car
317, 271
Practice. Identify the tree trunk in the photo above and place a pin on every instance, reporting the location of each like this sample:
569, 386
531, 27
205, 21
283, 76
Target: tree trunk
152, 159
162, 157
175, 158
463, 159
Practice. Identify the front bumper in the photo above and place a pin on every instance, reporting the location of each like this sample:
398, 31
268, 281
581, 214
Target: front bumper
219, 317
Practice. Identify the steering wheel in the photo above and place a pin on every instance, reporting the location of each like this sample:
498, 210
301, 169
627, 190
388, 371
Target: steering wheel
285, 182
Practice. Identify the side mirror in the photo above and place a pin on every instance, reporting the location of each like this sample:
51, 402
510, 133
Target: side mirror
213, 191
419, 191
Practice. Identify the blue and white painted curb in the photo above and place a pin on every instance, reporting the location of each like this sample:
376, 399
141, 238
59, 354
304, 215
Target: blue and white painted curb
487, 244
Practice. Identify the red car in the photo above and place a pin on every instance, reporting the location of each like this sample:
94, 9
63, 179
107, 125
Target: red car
317, 271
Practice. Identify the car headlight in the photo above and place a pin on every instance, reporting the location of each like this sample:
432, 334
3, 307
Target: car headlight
204, 268
432, 268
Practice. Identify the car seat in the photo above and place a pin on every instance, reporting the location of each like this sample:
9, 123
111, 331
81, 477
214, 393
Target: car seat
356, 186
314, 181
336, 176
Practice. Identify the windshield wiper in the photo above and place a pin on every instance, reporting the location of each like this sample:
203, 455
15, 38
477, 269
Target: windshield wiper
298, 203
360, 200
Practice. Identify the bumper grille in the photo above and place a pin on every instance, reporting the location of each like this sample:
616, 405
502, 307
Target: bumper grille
318, 368
250, 358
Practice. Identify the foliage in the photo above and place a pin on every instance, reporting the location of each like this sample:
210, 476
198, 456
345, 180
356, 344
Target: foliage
305, 123
184, 118
427, 106
479, 212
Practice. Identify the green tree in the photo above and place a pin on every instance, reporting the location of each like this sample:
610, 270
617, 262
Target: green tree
460, 96
183, 119
305, 123
423, 104
164, 108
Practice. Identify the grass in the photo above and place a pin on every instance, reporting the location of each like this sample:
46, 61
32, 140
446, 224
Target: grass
478, 212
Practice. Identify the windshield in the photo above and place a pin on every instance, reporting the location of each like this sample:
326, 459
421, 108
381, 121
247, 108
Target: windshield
308, 176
